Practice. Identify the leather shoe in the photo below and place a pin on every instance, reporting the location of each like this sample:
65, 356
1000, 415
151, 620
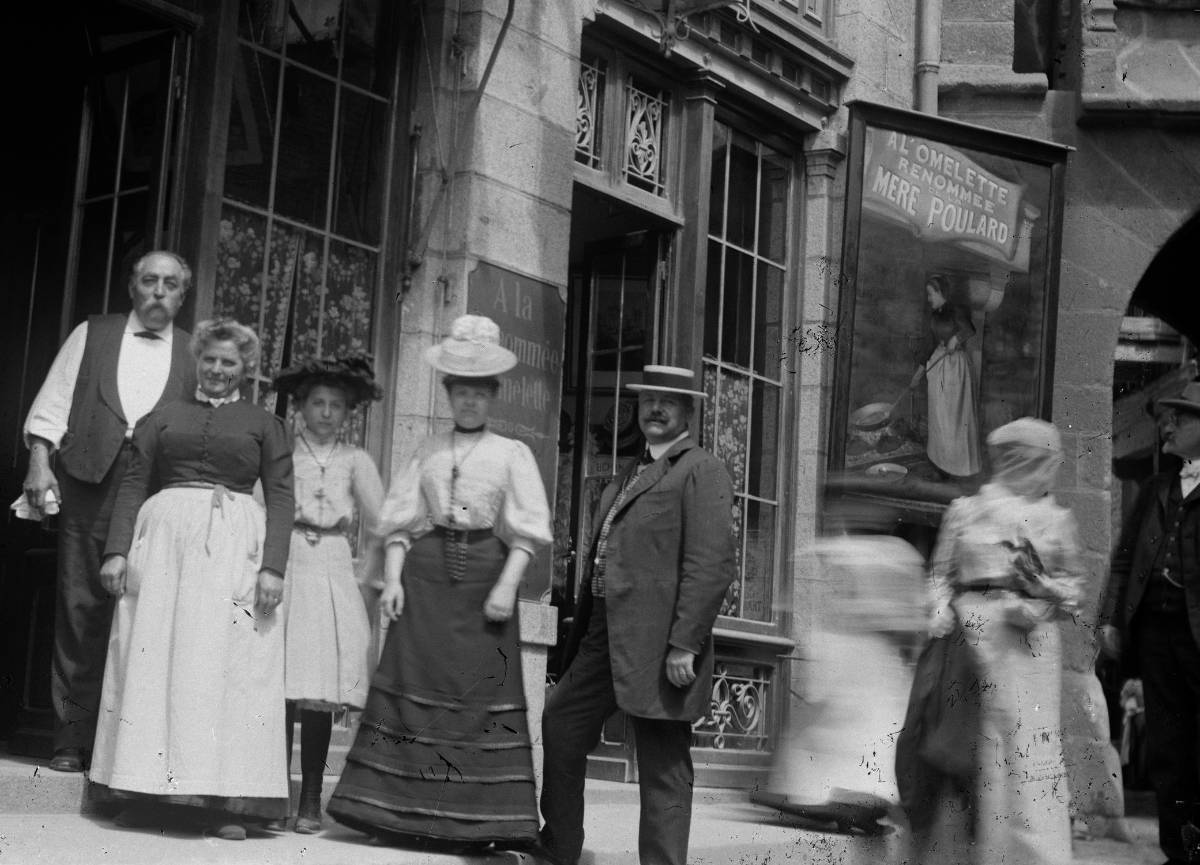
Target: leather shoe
67, 760
543, 855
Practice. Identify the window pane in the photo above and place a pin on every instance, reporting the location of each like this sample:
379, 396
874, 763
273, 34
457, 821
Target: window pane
93, 258
589, 112
716, 195
737, 299
139, 94
361, 149
732, 605
772, 207
731, 412
645, 136
312, 33
134, 226
310, 277
251, 128
764, 440
712, 301
363, 63
743, 184
759, 562
284, 248
768, 315
304, 139
262, 22
239, 265
349, 299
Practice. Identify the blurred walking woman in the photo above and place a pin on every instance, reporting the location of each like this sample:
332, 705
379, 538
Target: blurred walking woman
1005, 568
443, 750
193, 704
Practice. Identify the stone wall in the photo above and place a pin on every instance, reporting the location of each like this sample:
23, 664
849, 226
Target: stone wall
494, 184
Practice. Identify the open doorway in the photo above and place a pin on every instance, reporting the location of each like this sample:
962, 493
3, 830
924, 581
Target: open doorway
619, 267
91, 189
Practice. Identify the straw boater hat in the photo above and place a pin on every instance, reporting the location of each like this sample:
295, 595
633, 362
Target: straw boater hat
352, 372
472, 350
1188, 401
668, 379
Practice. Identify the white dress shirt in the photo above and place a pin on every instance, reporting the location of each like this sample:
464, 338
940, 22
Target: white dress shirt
143, 366
1189, 476
657, 450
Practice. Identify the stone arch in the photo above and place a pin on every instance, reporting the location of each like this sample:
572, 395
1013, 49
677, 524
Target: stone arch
1167, 288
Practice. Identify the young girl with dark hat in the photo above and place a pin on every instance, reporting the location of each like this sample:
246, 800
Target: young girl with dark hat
327, 631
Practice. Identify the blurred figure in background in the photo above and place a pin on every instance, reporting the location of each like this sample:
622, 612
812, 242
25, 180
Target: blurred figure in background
836, 763
1005, 567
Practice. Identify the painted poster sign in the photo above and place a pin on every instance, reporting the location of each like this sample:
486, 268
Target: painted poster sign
531, 317
944, 195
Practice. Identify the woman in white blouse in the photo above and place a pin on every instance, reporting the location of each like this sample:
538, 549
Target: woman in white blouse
443, 751
1005, 569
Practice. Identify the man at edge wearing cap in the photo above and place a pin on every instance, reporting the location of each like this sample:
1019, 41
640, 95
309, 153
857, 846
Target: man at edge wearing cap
661, 561
1152, 611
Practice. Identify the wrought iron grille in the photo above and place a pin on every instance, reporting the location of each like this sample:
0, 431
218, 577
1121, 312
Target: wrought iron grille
738, 719
645, 139
589, 114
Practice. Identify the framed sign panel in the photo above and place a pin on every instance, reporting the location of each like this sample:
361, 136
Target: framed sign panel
947, 308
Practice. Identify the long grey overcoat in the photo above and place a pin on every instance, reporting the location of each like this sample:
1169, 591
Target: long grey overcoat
669, 562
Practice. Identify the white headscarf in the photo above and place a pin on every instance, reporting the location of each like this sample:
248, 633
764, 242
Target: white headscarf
1026, 455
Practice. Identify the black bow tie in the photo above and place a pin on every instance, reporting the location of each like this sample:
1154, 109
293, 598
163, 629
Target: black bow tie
646, 458
147, 334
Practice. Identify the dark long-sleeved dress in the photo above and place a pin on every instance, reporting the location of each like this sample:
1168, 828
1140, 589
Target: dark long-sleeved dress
193, 704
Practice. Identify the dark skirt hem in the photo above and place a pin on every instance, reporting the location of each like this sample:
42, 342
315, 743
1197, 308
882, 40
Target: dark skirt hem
372, 820
252, 807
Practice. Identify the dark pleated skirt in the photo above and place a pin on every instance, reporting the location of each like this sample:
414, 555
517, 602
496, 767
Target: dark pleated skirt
443, 748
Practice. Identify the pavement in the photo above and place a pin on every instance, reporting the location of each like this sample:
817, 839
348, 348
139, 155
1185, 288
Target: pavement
724, 832
44, 818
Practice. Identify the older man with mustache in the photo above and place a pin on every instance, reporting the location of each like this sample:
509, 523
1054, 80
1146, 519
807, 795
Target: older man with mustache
111, 371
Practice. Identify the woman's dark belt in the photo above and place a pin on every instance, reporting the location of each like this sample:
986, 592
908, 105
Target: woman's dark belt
454, 547
986, 588
462, 536
313, 534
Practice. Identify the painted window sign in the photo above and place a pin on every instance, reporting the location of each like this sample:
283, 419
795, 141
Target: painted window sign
947, 300
944, 195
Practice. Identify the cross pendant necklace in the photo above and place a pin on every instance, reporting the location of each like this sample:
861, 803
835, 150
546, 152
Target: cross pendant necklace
455, 463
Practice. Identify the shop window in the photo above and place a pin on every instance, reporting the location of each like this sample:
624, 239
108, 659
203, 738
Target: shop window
302, 223
744, 303
951, 235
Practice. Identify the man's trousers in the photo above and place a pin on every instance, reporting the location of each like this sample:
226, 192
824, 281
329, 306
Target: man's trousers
576, 710
1169, 662
84, 609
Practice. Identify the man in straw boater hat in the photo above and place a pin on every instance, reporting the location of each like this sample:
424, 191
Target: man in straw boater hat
1151, 617
661, 561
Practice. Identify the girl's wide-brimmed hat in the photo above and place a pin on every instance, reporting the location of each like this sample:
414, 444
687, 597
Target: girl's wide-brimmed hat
668, 379
472, 350
353, 373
